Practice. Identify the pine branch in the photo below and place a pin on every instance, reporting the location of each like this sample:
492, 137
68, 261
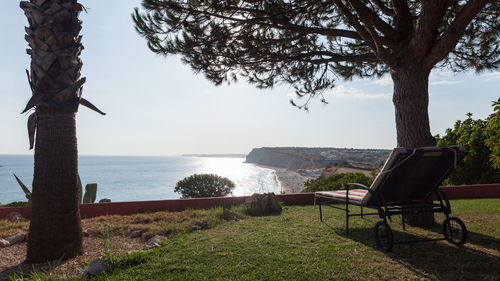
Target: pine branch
454, 32
369, 17
386, 10
431, 16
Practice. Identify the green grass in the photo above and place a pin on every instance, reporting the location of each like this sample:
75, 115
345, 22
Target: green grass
297, 246
151, 223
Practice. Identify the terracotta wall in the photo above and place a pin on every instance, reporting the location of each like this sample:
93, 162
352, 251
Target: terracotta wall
127, 208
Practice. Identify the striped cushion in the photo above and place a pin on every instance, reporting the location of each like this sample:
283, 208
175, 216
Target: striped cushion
355, 195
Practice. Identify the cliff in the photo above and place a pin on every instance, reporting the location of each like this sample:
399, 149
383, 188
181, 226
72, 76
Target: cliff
296, 158
286, 157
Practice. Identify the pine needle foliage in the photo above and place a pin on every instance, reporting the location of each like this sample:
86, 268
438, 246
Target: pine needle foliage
310, 43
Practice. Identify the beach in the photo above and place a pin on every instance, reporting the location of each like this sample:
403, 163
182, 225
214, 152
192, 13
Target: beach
291, 181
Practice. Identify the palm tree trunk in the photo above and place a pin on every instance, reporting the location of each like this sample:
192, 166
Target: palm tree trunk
53, 35
55, 230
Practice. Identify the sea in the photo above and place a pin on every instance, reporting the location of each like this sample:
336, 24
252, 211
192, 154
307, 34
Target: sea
141, 178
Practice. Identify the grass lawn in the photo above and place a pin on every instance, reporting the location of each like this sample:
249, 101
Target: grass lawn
297, 246
163, 223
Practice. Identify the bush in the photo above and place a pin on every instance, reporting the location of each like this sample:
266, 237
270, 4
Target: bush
17, 204
336, 182
493, 134
204, 185
476, 166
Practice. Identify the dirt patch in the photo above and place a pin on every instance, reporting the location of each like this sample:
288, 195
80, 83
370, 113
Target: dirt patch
14, 256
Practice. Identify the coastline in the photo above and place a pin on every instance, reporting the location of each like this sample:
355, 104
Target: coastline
290, 181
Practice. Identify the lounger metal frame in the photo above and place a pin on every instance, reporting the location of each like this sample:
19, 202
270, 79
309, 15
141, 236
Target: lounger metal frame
385, 211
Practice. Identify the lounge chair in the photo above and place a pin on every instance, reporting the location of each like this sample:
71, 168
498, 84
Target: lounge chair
405, 185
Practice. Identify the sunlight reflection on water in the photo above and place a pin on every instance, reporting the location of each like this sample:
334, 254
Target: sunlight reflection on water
248, 178
135, 178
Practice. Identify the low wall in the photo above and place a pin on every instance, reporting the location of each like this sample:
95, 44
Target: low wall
474, 191
174, 205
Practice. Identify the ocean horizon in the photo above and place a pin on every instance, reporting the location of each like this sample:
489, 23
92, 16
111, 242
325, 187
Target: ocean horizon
141, 178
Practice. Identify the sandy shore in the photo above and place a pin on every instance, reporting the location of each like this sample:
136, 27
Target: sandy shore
291, 181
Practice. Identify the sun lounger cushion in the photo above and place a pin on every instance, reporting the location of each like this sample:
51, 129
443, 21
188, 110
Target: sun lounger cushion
355, 195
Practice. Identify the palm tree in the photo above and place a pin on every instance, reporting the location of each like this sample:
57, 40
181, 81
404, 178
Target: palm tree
56, 85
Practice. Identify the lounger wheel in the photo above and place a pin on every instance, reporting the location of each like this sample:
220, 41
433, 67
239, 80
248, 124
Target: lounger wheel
383, 236
454, 231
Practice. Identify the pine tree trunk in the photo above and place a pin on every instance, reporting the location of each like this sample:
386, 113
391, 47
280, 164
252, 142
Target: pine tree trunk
55, 230
411, 100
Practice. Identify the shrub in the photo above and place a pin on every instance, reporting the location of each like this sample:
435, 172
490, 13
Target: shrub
17, 204
204, 185
336, 181
493, 134
476, 166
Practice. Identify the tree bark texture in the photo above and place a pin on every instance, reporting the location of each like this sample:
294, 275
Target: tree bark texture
55, 230
55, 46
411, 100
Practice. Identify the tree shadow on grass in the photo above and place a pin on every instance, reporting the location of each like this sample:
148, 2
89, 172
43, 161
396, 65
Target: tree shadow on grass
476, 260
475, 238
23, 270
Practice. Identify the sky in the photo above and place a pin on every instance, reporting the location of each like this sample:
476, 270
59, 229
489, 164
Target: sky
156, 105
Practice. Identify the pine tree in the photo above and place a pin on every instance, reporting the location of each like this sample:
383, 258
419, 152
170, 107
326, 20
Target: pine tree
309, 43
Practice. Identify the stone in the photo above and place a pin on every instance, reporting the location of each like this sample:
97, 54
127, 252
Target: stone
154, 242
165, 232
16, 238
136, 234
128, 231
262, 204
229, 215
195, 227
4, 243
89, 232
95, 267
15, 217
201, 224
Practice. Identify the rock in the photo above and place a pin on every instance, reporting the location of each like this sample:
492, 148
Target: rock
105, 200
228, 215
195, 227
154, 242
89, 232
4, 243
262, 204
15, 217
136, 234
165, 232
128, 231
95, 267
199, 225
202, 223
17, 238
